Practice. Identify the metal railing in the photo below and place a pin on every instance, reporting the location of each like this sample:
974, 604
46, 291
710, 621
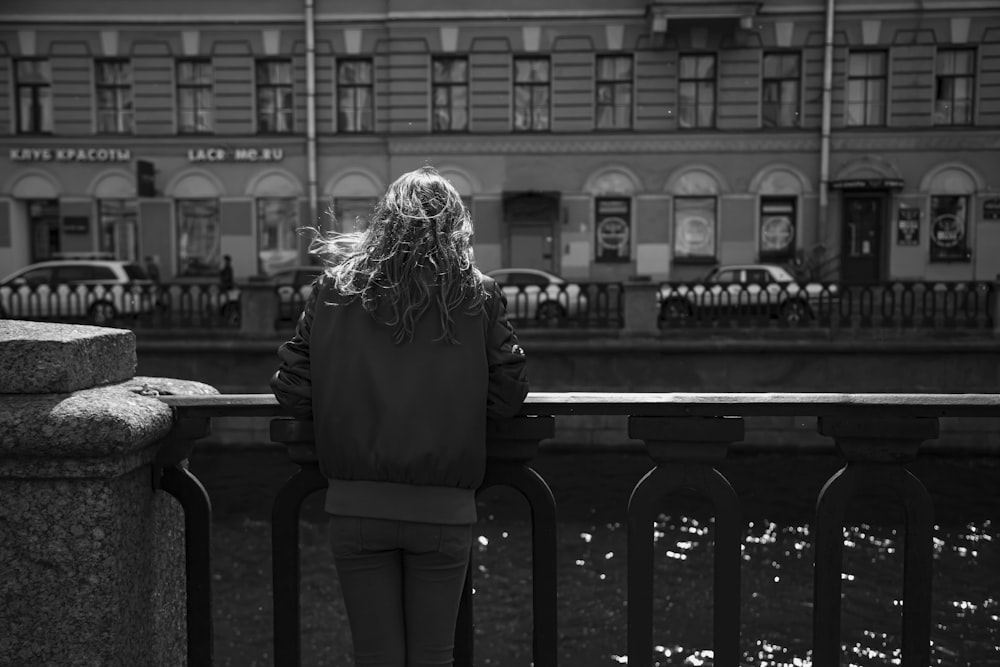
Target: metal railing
686, 436
889, 305
896, 305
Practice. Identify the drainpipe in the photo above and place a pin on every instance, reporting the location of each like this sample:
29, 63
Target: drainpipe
824, 146
311, 112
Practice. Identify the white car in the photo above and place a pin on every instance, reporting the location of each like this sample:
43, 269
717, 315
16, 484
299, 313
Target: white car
99, 291
533, 294
766, 290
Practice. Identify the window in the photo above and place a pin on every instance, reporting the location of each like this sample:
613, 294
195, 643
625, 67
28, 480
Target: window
117, 221
450, 94
194, 97
949, 229
780, 87
274, 97
866, 88
956, 73
355, 101
352, 213
113, 81
198, 237
531, 94
777, 229
614, 92
696, 88
694, 228
278, 241
33, 90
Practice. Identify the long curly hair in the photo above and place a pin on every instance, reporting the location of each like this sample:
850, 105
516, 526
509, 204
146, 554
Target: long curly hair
417, 249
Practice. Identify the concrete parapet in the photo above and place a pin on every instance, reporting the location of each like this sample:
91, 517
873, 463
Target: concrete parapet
92, 554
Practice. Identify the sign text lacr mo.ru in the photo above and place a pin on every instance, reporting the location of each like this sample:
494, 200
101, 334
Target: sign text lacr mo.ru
220, 154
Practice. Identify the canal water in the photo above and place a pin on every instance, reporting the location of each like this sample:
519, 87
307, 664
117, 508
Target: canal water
778, 495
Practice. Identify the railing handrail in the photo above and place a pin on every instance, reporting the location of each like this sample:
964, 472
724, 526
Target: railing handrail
667, 404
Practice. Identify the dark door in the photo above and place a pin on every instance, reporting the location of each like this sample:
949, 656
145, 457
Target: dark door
861, 237
43, 219
531, 247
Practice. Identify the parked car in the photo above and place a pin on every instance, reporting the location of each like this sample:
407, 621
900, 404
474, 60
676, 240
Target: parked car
767, 290
100, 291
292, 286
533, 294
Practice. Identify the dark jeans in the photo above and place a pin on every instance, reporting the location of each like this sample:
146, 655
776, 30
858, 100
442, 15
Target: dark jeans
402, 583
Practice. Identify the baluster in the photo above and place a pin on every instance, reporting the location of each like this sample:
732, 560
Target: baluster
170, 474
511, 444
298, 437
876, 450
685, 451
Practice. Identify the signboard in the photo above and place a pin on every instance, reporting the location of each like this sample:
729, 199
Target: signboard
908, 226
948, 229
613, 230
67, 154
226, 154
868, 184
991, 209
76, 224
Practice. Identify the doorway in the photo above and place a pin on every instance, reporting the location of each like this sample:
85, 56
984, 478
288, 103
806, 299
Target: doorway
530, 219
863, 222
43, 220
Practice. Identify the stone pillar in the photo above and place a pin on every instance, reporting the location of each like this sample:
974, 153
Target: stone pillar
91, 555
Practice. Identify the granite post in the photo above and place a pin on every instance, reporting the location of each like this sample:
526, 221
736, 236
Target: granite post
91, 554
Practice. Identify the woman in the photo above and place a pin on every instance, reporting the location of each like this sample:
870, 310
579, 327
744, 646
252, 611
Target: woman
401, 354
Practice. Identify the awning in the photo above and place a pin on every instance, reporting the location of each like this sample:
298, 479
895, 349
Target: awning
661, 12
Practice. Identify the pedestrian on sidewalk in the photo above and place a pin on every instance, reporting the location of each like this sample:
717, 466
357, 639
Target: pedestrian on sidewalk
401, 354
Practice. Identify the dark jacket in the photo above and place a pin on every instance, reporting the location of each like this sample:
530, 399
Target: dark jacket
401, 428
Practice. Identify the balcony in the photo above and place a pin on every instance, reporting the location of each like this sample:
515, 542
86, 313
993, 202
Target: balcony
75, 448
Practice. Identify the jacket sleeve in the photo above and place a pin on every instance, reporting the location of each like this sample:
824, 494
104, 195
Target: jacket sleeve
292, 383
508, 377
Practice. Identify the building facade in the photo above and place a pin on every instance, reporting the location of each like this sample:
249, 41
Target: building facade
598, 139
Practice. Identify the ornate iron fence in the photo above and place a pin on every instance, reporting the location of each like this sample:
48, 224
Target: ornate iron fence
687, 437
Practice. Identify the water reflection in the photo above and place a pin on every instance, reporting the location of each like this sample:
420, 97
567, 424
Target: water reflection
778, 496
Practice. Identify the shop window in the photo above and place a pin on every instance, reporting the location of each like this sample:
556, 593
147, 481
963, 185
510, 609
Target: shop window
117, 219
866, 88
450, 94
355, 96
614, 92
950, 229
694, 229
277, 230
780, 86
956, 79
777, 229
194, 96
113, 82
33, 90
696, 91
198, 238
353, 213
613, 229
274, 97
532, 94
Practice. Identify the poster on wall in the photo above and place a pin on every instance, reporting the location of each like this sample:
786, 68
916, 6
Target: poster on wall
908, 226
777, 229
948, 229
694, 228
991, 209
613, 230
